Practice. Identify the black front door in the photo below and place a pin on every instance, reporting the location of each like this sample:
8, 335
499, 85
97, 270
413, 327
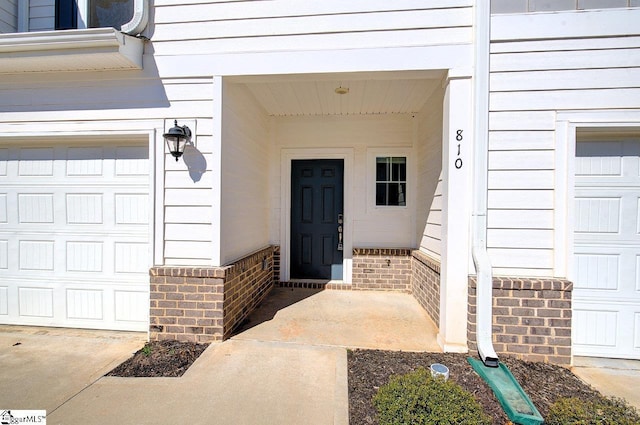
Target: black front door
316, 218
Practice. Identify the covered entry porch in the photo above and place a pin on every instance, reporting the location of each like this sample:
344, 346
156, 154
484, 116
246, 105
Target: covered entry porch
397, 227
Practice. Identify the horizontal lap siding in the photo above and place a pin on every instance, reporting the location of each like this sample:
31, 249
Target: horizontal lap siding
42, 15
429, 148
8, 16
285, 25
531, 80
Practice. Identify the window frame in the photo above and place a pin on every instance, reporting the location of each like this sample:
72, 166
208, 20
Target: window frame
371, 177
135, 26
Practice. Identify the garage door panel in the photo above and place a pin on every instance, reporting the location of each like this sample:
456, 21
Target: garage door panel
606, 297
36, 302
595, 328
131, 306
131, 208
74, 229
35, 162
35, 208
4, 300
597, 215
84, 208
597, 271
636, 337
84, 304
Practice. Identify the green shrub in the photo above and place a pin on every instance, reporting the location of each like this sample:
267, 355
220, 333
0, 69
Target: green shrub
417, 398
607, 411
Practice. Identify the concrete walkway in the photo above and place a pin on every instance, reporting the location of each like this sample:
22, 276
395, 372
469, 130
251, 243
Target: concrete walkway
289, 366
612, 377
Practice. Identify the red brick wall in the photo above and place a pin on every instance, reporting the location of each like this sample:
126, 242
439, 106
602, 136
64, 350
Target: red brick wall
425, 284
531, 318
186, 304
381, 269
206, 304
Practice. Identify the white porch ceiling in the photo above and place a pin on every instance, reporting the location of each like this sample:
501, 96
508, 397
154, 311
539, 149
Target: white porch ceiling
369, 93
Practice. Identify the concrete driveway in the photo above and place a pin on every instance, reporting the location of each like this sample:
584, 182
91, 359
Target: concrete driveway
42, 368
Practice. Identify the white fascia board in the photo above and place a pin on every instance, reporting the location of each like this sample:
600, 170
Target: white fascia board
17, 50
565, 24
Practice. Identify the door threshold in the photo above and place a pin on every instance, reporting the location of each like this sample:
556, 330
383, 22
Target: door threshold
310, 283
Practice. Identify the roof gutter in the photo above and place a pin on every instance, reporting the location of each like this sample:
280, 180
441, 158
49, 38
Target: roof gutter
481, 261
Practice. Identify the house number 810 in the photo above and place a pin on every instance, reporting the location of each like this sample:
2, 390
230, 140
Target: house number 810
458, 162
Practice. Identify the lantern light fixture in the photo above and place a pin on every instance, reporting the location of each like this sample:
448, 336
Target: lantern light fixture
177, 138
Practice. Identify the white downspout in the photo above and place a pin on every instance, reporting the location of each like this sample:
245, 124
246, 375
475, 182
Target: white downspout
138, 23
484, 300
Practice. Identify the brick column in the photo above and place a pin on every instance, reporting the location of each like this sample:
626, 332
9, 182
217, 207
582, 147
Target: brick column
531, 318
186, 304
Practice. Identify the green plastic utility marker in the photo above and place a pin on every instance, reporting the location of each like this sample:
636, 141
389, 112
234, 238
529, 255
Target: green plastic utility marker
515, 402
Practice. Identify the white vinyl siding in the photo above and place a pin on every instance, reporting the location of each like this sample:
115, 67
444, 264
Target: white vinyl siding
244, 223
429, 149
211, 27
531, 80
523, 6
42, 15
8, 16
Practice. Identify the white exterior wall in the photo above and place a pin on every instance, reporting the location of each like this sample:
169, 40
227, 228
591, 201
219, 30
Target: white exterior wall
190, 45
544, 65
8, 16
366, 137
429, 153
212, 27
244, 223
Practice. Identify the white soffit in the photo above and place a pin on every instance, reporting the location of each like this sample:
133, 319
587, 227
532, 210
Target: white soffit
368, 92
96, 49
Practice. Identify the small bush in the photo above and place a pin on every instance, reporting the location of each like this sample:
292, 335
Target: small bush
417, 398
606, 411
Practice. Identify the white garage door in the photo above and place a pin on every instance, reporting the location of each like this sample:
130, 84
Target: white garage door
74, 224
606, 297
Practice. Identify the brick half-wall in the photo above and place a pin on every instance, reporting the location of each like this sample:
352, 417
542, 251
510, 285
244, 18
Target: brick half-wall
425, 283
531, 318
380, 269
201, 304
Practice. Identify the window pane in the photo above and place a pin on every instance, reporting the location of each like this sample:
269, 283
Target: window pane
382, 169
66, 15
381, 194
110, 13
399, 169
402, 188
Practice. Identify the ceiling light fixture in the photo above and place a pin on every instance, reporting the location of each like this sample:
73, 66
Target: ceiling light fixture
341, 90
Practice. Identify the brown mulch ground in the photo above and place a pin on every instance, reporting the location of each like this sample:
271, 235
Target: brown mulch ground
371, 369
160, 359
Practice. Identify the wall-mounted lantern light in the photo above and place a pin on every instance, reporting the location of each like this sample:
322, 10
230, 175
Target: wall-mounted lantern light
177, 139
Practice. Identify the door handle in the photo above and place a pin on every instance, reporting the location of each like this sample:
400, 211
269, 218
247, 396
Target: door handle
340, 221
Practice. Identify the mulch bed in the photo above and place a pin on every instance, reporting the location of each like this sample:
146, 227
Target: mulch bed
371, 369
160, 359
